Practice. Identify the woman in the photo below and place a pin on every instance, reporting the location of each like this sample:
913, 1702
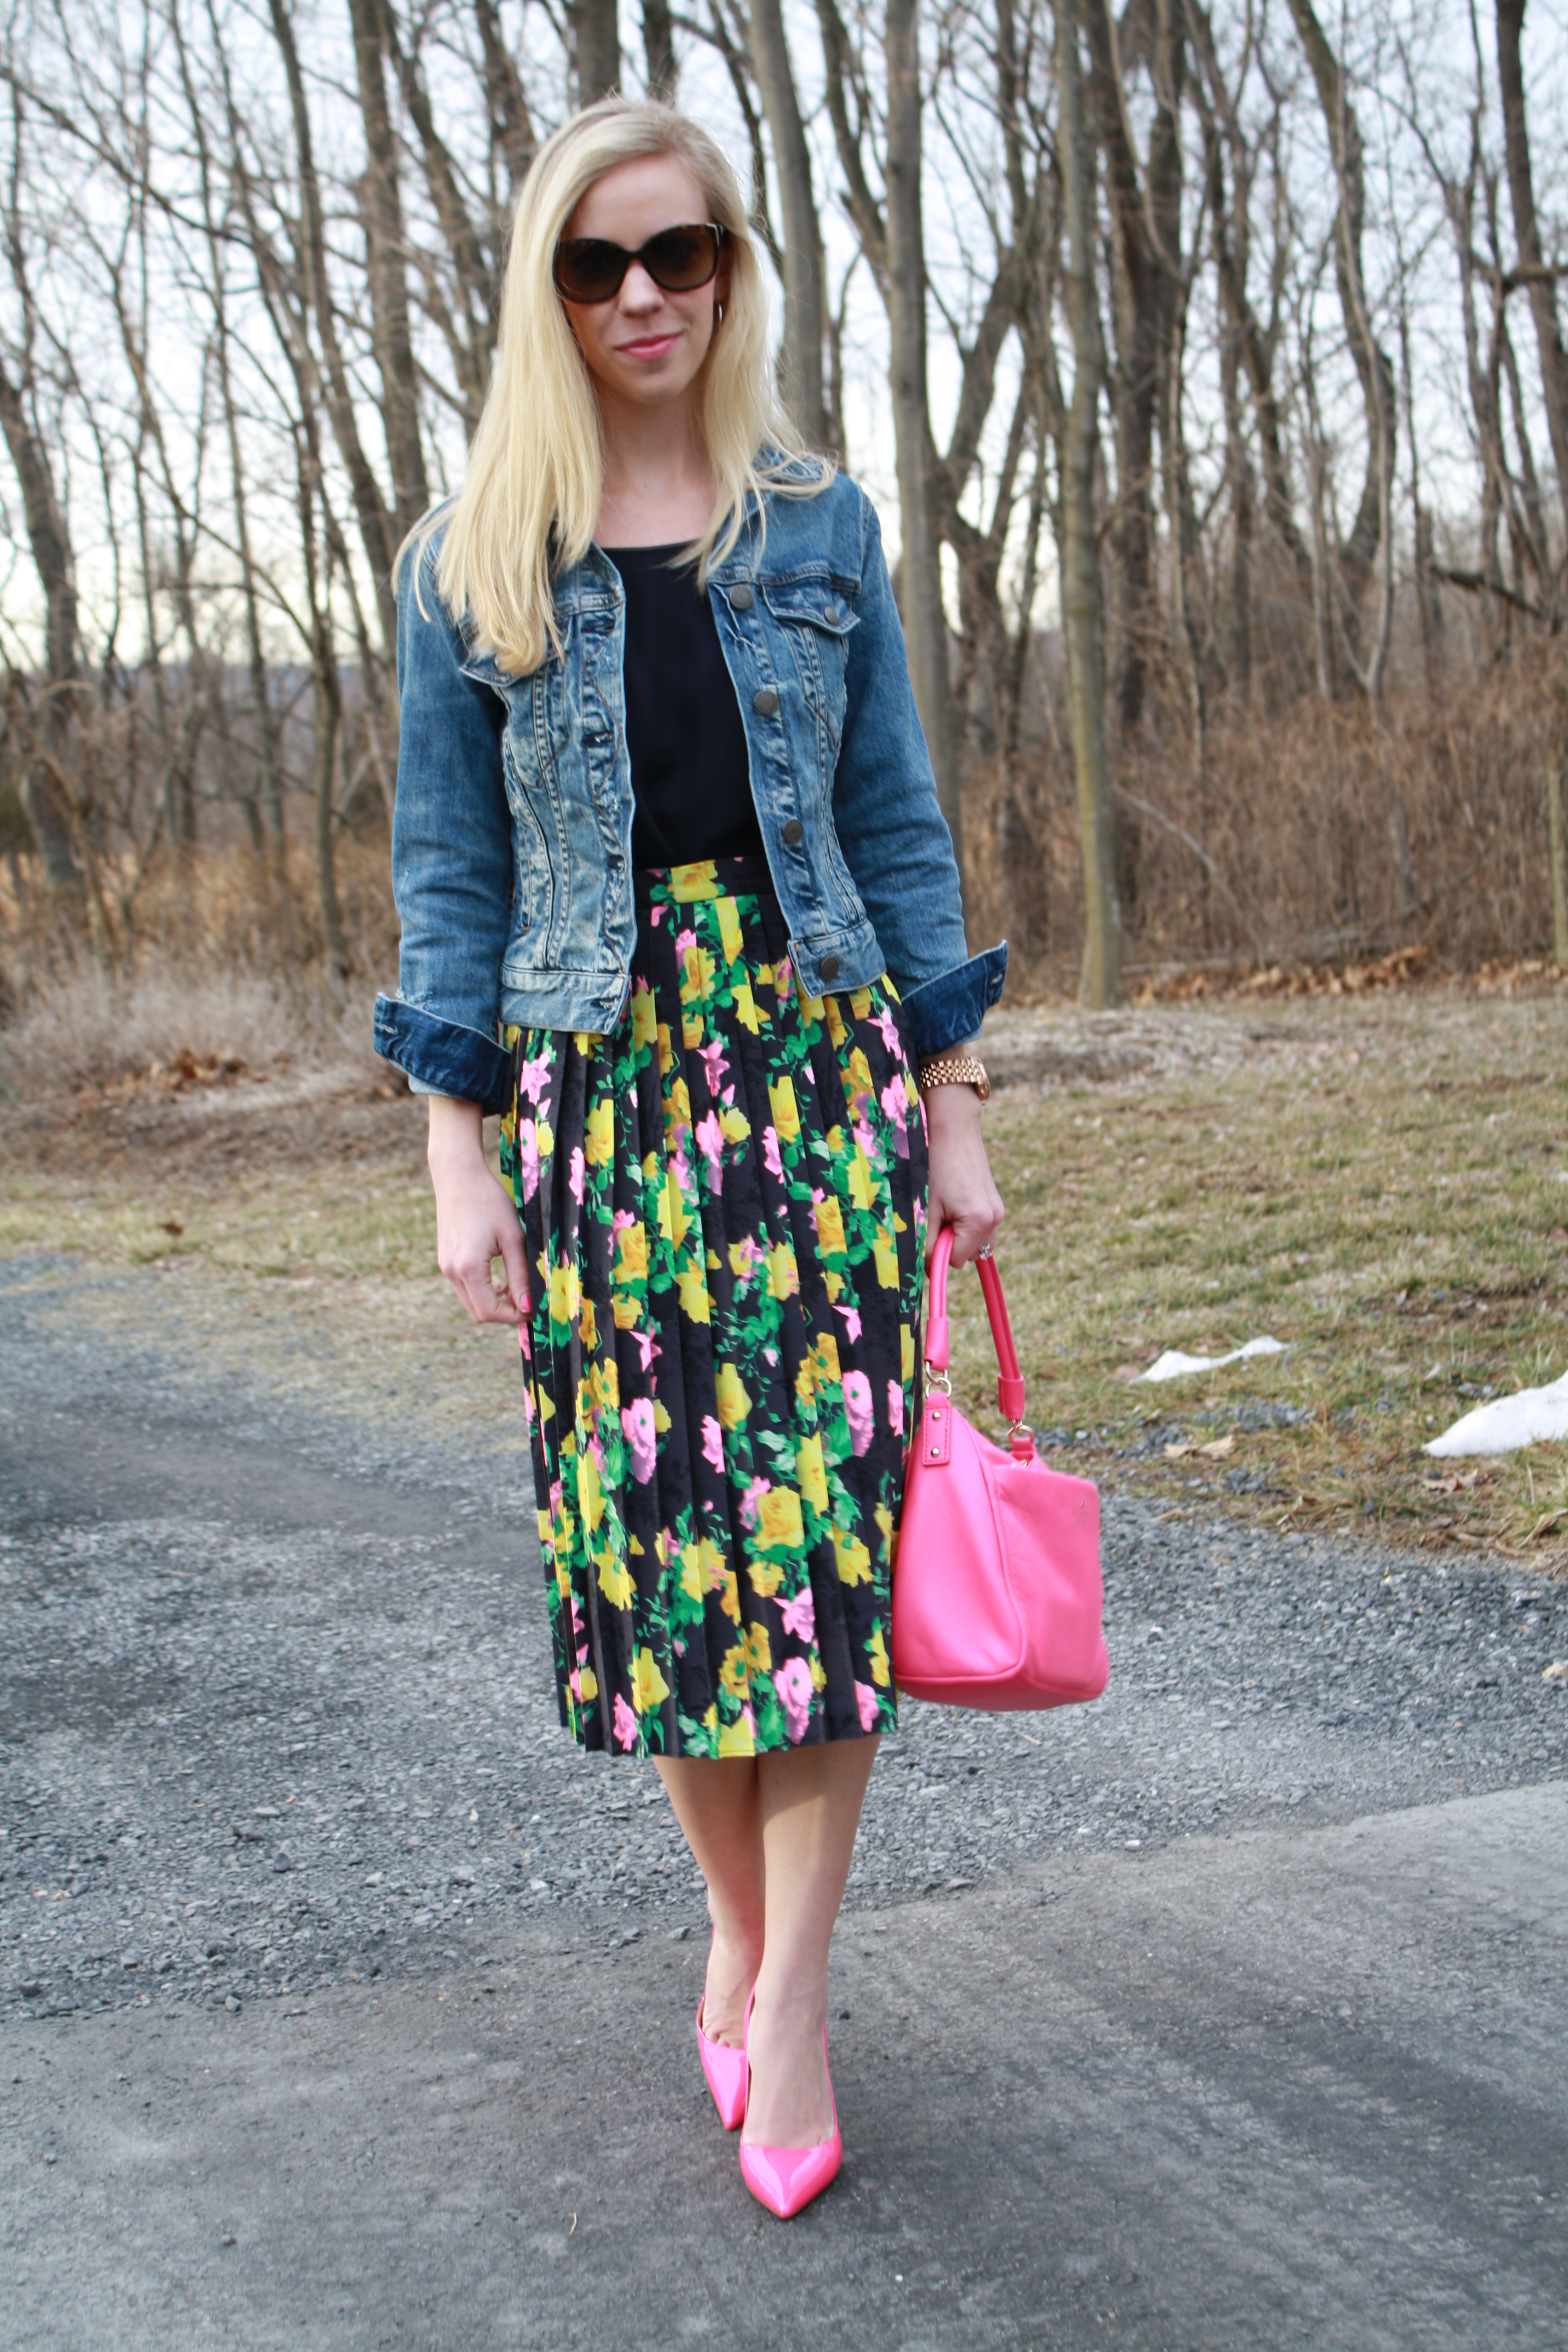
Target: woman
666, 828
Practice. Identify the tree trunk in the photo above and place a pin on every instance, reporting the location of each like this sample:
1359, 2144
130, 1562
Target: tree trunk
327, 699
800, 359
381, 209
1521, 190
48, 538
658, 48
925, 622
1556, 845
596, 47
1083, 603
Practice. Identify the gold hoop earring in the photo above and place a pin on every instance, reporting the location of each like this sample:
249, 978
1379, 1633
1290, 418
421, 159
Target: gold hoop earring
718, 314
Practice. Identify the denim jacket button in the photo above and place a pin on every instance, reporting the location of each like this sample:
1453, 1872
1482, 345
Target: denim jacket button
794, 830
764, 702
742, 599
828, 967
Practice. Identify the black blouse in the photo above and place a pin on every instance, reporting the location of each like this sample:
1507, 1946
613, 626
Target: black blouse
690, 782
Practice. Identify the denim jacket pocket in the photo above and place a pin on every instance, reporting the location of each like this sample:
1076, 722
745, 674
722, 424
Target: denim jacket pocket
817, 621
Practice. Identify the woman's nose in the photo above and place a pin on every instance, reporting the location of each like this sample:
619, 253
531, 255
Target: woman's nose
638, 291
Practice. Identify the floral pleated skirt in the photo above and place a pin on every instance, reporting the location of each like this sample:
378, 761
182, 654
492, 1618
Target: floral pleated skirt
723, 1202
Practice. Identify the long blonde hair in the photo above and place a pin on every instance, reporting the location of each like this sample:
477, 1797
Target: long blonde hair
530, 502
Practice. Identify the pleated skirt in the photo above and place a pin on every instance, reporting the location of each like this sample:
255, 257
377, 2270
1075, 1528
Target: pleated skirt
723, 1202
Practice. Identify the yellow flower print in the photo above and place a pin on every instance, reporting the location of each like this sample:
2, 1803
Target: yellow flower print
806, 1381
861, 1001
590, 1495
544, 1138
697, 970
787, 1112
779, 1519
836, 1028
783, 1274
854, 1559
633, 1266
734, 1125
648, 1685
692, 1284
588, 1683
563, 1293
625, 1311
715, 1567
588, 1326
599, 1133
766, 1576
644, 1017
884, 1521
691, 1031
737, 1739
729, 1599
877, 1649
666, 1050
887, 1258
732, 1673
759, 1654
860, 1181
691, 1572
698, 880
734, 1403
810, 1007
860, 1073
830, 1219
826, 1353
810, 1476
729, 930
615, 1583
745, 1007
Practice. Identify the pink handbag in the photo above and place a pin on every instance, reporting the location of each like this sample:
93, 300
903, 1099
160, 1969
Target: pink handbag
997, 1585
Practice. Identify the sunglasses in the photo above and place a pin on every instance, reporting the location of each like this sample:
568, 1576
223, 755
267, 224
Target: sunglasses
591, 269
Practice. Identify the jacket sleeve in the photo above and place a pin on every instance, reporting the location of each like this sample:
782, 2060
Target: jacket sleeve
893, 834
451, 859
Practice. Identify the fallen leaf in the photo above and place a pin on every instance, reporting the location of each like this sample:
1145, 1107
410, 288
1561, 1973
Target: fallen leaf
1219, 1446
1557, 1671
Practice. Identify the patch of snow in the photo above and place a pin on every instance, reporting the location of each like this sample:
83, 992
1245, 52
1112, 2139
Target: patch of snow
1533, 1417
1173, 1364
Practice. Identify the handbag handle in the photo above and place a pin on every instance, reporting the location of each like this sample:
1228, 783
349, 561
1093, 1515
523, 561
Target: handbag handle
1009, 1378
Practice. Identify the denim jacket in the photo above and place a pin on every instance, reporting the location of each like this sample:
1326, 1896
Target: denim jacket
512, 833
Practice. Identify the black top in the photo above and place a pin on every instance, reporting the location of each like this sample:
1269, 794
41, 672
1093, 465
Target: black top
690, 782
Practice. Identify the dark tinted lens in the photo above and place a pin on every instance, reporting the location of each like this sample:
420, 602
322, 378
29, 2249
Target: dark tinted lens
589, 268
680, 259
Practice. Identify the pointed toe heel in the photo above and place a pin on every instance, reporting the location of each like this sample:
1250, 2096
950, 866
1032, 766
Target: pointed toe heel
725, 2069
785, 2179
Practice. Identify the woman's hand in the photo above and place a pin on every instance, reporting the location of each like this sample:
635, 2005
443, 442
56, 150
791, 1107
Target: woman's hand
962, 1194
476, 1219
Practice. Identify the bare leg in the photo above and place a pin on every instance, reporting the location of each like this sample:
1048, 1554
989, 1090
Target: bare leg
716, 1803
810, 1810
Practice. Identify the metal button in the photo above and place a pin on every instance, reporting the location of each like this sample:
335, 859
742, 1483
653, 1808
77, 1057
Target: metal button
794, 830
765, 702
742, 599
830, 613
828, 967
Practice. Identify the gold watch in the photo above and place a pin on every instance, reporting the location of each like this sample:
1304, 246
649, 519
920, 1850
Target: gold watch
955, 1070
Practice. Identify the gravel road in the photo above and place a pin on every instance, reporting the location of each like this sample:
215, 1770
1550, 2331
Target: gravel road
276, 1707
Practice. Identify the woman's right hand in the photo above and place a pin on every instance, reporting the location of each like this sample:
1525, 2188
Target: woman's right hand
475, 1218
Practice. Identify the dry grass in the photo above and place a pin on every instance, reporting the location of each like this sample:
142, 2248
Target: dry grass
1381, 1183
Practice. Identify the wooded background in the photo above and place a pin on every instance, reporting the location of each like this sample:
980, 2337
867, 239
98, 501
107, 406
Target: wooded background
1207, 362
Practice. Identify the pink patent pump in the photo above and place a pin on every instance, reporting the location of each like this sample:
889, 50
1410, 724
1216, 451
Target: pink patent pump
786, 2178
726, 2072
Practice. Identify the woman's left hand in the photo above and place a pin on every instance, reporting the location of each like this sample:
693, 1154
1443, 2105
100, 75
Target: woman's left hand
963, 1192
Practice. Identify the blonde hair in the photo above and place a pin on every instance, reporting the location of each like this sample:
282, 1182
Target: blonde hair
530, 502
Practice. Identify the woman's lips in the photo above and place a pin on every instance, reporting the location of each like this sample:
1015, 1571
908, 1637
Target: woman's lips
649, 347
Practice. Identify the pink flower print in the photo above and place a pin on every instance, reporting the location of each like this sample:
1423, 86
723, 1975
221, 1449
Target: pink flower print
713, 1444
525, 1343
528, 1158
784, 979
684, 940
896, 1407
574, 1174
626, 1726
770, 1160
533, 1077
527, 1407
889, 1029
648, 1346
710, 1142
574, 1684
865, 1699
895, 1102
556, 1498
715, 1064
746, 1253
857, 1410
621, 1219
800, 1616
752, 1499
636, 1421
793, 1684
851, 1321
866, 1137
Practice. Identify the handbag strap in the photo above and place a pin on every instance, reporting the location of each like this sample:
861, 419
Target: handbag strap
1009, 1378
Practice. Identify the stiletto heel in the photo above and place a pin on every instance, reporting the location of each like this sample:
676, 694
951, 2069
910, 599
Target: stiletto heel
786, 2178
726, 2073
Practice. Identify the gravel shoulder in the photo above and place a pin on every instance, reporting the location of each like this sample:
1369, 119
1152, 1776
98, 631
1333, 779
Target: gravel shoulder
1237, 1998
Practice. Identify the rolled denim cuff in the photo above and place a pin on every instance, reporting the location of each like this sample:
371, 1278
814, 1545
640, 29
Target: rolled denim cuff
944, 1011
443, 1058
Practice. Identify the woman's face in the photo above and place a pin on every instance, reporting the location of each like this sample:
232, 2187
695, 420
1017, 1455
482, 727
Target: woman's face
644, 345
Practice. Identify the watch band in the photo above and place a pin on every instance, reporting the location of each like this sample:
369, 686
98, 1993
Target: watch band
955, 1070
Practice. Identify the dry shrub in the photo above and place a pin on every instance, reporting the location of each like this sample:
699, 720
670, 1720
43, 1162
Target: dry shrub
1300, 818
